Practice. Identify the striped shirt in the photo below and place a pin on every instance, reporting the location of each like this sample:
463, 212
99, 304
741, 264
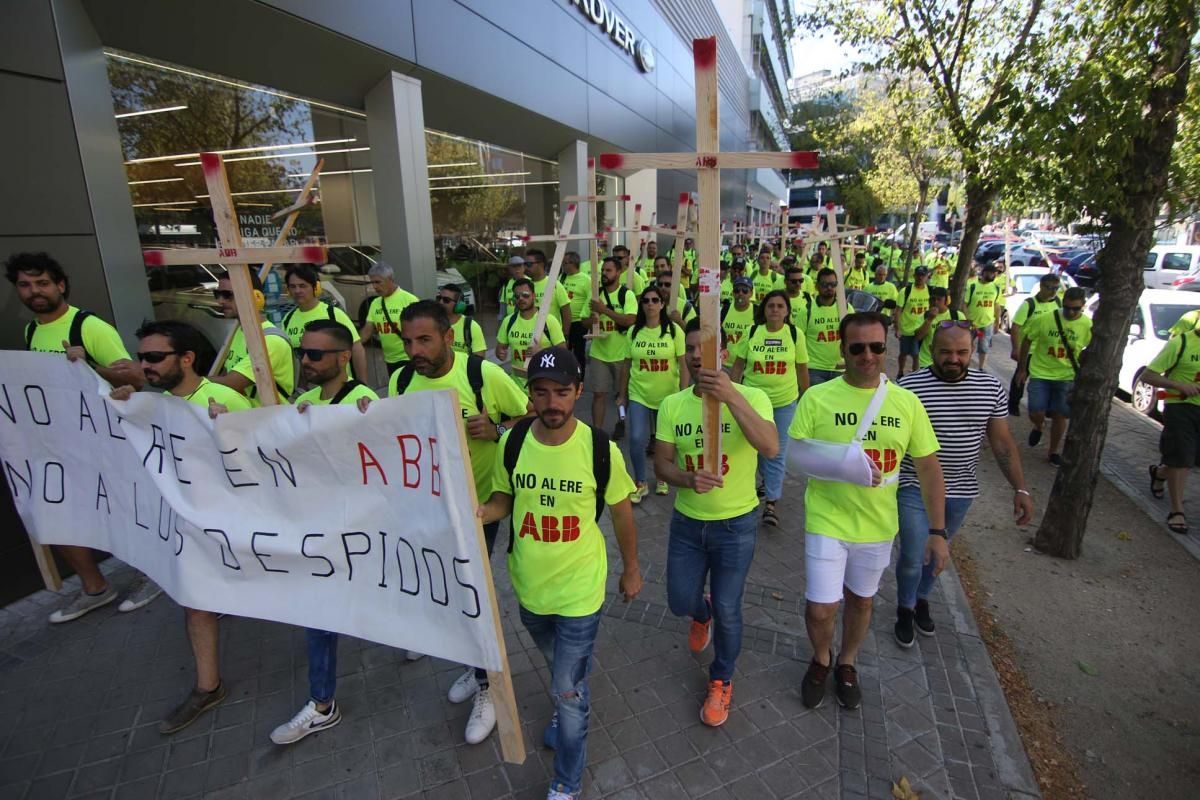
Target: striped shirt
960, 412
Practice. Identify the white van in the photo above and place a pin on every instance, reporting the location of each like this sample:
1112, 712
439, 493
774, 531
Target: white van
1167, 263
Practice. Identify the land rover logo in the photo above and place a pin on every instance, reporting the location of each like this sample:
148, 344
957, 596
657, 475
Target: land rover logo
599, 13
644, 55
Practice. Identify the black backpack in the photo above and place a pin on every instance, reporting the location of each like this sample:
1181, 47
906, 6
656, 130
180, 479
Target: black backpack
1031, 305
474, 378
74, 336
601, 463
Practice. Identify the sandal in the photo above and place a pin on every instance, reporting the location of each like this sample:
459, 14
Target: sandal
770, 517
1177, 527
1156, 483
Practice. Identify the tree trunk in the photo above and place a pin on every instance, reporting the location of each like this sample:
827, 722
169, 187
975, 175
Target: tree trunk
1131, 234
914, 227
980, 196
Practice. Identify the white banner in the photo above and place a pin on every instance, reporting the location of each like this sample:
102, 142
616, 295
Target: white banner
331, 519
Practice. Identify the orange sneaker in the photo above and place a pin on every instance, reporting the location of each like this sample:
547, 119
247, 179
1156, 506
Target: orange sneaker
699, 635
715, 710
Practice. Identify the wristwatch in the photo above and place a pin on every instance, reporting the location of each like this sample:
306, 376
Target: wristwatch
938, 532
500, 431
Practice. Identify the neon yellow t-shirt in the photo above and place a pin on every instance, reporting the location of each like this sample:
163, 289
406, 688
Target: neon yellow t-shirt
101, 340
1169, 364
830, 412
501, 395
884, 291
1025, 315
384, 315
610, 347
279, 353
558, 300
653, 363
558, 563
219, 392
687, 312
771, 359
295, 320
1048, 358
639, 281
913, 303
681, 423
1188, 322
856, 278
313, 396
820, 328
925, 357
727, 291
766, 283
940, 274
736, 324
981, 302
516, 331
579, 293
478, 340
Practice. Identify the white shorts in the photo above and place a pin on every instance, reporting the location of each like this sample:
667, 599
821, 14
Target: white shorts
830, 564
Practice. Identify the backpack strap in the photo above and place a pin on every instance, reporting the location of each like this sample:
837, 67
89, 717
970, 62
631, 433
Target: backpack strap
512, 451
1067, 345
467, 322
29, 330
386, 315
795, 334
750, 333
475, 379
1030, 305
872, 411
404, 377
287, 318
75, 336
347, 387
601, 466
725, 305
508, 323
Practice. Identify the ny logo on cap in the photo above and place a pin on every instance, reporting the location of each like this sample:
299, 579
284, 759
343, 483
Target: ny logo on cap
547, 361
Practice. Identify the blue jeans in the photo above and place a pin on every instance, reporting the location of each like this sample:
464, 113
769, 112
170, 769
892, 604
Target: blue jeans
914, 578
322, 664
1049, 397
721, 551
816, 376
641, 428
772, 469
566, 643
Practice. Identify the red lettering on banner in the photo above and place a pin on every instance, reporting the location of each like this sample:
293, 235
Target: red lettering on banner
415, 461
367, 459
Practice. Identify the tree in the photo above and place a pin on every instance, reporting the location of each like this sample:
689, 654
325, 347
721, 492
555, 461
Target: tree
973, 58
823, 124
1112, 100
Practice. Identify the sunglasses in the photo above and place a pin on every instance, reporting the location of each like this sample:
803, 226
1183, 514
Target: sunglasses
447, 300
522, 295
223, 294
650, 301
313, 354
955, 323
825, 285
156, 356
1072, 309
741, 290
858, 348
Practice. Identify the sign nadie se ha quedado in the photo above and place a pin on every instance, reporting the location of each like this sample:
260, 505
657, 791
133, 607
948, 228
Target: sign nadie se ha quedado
618, 30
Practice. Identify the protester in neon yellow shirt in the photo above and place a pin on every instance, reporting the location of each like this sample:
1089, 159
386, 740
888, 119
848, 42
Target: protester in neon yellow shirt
821, 321
911, 305
1176, 369
737, 317
612, 315
302, 281
765, 278
238, 371
849, 527
983, 297
383, 315
515, 335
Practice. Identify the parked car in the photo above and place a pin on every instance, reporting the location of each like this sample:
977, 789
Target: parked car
1023, 283
1087, 273
1157, 311
1168, 263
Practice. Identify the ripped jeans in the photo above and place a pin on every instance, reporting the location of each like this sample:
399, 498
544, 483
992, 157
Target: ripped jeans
566, 643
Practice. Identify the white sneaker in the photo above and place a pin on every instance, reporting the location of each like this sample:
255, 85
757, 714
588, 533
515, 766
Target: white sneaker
483, 718
554, 794
141, 592
308, 720
464, 688
82, 603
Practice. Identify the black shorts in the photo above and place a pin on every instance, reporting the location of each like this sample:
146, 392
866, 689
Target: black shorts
1180, 440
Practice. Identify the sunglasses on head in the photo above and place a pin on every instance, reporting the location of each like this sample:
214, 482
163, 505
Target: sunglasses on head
955, 323
223, 294
858, 348
156, 356
314, 354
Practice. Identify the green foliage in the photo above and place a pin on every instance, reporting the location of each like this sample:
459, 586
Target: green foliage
824, 124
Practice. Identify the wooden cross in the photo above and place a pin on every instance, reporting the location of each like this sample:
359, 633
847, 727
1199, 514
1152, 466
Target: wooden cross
708, 163
236, 258
592, 200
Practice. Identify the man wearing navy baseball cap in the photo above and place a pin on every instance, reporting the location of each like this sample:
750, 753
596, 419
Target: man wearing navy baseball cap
554, 476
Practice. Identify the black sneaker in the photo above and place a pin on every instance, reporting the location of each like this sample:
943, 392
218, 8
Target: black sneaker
761, 491
812, 688
1056, 459
904, 627
618, 430
1035, 436
923, 619
845, 683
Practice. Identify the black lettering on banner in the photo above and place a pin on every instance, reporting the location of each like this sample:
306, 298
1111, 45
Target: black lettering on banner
229, 472
346, 549
45, 406
435, 469
14, 476
445, 601
108, 418
225, 546
260, 556
171, 437
85, 413
303, 552
546, 500
137, 521
164, 532
383, 561
474, 593
62, 479
288, 472
6, 409
178, 534
156, 443
400, 564
102, 491
848, 418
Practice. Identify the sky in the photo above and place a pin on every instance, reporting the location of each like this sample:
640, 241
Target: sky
812, 53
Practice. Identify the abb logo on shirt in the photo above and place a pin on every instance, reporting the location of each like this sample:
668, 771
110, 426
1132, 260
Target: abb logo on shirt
771, 367
388, 327
654, 365
829, 336
697, 464
552, 529
917, 310
886, 459
984, 304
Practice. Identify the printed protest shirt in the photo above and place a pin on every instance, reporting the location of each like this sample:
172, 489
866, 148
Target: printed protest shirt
610, 346
296, 319
981, 302
558, 300
766, 283
830, 412
219, 393
516, 331
681, 423
914, 303
558, 563
653, 363
1048, 359
313, 396
771, 360
824, 345
384, 315
101, 340
1179, 360
884, 291
478, 340
736, 324
279, 353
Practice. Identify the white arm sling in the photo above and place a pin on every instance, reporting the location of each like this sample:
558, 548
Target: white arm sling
832, 461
